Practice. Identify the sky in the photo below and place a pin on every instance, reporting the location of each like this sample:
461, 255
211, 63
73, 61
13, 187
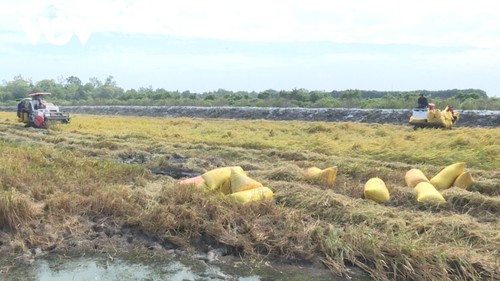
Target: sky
202, 46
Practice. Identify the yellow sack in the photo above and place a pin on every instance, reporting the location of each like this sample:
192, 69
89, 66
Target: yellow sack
414, 120
376, 190
312, 172
216, 177
326, 176
464, 181
447, 123
414, 177
438, 115
445, 178
197, 181
430, 115
426, 192
255, 194
240, 182
447, 115
329, 175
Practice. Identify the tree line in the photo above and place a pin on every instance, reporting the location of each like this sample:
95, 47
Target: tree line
72, 91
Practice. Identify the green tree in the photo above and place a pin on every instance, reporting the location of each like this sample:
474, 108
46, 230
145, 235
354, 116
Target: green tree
47, 85
110, 81
263, 95
209, 97
300, 95
95, 82
73, 80
104, 92
351, 98
326, 102
17, 88
316, 95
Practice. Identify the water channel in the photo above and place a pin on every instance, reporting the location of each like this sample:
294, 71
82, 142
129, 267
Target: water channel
96, 268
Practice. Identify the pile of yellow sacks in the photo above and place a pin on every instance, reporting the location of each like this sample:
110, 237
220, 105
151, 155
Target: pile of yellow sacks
435, 116
232, 181
448, 117
428, 190
375, 188
442, 117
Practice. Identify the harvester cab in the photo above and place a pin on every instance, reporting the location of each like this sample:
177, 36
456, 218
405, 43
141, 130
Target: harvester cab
35, 112
430, 117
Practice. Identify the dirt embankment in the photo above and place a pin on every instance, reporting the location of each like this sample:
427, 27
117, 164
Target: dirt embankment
468, 118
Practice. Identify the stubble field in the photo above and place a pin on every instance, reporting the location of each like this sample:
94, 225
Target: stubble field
115, 179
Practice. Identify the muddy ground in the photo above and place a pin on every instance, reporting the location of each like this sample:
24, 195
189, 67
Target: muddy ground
105, 239
468, 118
113, 240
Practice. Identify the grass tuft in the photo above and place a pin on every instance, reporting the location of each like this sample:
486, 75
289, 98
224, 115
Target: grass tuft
15, 209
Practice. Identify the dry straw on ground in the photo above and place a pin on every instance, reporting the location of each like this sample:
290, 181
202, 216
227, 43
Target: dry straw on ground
60, 185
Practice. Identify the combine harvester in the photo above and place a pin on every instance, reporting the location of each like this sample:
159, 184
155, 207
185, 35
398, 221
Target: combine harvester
429, 117
35, 112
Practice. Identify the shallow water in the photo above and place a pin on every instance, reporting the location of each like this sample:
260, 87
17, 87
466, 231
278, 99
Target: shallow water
100, 268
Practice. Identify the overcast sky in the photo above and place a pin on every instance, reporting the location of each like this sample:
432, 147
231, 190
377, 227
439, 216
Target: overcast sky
201, 45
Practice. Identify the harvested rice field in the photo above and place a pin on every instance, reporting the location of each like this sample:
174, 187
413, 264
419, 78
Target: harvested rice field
110, 184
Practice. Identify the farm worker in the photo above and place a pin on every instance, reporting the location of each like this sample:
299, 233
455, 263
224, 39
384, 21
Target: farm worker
39, 103
19, 108
422, 101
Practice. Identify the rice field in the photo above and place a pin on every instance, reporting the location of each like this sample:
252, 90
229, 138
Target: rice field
124, 171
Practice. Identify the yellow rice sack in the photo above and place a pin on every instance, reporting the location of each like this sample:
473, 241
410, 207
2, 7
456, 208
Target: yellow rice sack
426, 192
216, 177
430, 115
259, 193
414, 177
197, 181
311, 172
240, 182
326, 176
445, 178
447, 118
447, 115
447, 123
329, 175
204, 185
414, 120
438, 115
376, 190
464, 181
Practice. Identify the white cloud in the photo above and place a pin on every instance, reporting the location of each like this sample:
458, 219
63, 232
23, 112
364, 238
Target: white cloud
434, 23
466, 32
